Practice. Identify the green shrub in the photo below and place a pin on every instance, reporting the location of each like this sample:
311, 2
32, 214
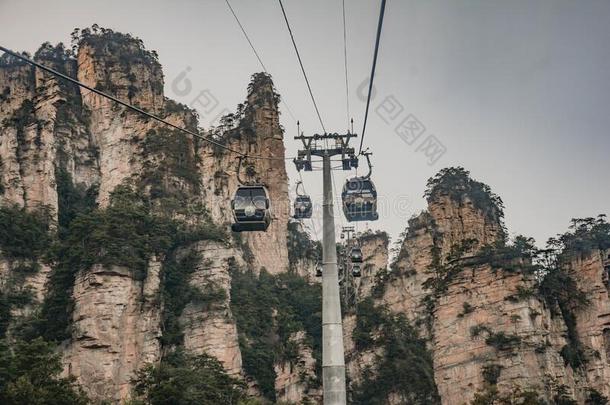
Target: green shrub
491, 373
563, 296
491, 396
456, 183
502, 340
595, 398
479, 329
573, 355
183, 379
301, 246
585, 235
559, 289
405, 366
30, 373
177, 293
518, 255
124, 47
264, 341
168, 155
126, 233
5, 314
9, 61
72, 200
466, 309
369, 319
382, 277
116, 48
524, 293
24, 234
563, 396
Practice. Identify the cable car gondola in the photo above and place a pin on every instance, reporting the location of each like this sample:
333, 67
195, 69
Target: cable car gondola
360, 197
318, 270
251, 207
356, 254
356, 270
303, 207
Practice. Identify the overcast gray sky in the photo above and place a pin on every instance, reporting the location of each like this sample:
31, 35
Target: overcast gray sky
517, 92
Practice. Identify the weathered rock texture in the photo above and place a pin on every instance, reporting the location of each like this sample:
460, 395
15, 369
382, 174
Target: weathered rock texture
593, 321
375, 259
254, 130
116, 329
293, 379
51, 128
476, 315
481, 316
211, 329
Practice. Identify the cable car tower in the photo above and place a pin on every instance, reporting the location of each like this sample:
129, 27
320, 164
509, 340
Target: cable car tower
333, 358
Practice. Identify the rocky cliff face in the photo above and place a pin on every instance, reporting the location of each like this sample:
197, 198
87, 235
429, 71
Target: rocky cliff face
375, 251
116, 329
54, 136
210, 328
593, 320
255, 130
294, 379
121, 255
495, 323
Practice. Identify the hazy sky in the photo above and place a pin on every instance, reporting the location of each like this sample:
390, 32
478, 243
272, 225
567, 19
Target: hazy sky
518, 92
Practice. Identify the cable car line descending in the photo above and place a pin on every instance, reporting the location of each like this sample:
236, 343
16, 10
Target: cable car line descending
246, 35
318, 263
346, 91
243, 30
345, 66
368, 98
134, 108
296, 49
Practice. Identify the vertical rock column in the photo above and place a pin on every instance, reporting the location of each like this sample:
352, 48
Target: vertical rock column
116, 315
258, 133
116, 329
209, 327
593, 321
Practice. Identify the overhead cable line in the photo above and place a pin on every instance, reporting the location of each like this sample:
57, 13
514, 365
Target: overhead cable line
345, 66
368, 98
296, 49
246, 35
136, 109
243, 30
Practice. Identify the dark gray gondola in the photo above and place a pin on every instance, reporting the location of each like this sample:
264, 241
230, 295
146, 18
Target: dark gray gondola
251, 209
356, 272
303, 207
356, 254
360, 196
318, 270
359, 200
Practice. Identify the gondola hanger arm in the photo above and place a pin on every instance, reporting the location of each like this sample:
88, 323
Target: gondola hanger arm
367, 154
